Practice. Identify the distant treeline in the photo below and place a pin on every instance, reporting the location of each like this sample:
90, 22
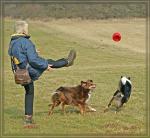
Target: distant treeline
84, 11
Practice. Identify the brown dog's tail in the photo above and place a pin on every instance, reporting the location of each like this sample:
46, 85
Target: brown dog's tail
55, 99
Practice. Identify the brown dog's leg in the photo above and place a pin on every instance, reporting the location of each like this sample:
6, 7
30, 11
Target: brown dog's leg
63, 108
82, 109
91, 109
52, 107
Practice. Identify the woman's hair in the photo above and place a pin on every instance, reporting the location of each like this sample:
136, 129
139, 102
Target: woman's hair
21, 27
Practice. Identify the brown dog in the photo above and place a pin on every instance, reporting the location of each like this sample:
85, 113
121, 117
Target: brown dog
77, 96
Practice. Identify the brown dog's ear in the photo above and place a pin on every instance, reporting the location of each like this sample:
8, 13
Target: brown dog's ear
83, 83
129, 78
89, 81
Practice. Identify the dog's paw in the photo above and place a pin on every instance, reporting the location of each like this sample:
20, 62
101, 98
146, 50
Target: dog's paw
93, 110
106, 109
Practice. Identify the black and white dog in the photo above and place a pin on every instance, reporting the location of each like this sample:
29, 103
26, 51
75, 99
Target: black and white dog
123, 93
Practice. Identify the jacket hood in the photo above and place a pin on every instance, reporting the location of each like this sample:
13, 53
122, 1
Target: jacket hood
16, 36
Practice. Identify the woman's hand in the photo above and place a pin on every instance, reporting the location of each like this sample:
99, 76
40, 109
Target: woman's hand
37, 51
49, 67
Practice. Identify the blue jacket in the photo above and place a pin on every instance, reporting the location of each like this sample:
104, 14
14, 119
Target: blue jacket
24, 51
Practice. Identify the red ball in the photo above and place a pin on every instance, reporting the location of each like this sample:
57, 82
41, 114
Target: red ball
116, 37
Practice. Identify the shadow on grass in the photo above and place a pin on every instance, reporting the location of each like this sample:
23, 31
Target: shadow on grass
114, 109
68, 110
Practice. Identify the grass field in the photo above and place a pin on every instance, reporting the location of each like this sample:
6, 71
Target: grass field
99, 59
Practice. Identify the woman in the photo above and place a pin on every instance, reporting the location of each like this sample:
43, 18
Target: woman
25, 55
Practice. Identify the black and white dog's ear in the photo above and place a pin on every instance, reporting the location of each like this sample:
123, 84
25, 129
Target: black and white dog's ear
121, 76
129, 78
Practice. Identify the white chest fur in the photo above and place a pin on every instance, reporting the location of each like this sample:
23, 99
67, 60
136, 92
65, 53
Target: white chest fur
89, 107
89, 96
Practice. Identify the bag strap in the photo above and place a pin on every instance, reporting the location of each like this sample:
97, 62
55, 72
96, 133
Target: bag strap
12, 65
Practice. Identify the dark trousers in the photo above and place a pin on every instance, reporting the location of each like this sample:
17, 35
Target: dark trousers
29, 97
29, 88
58, 63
